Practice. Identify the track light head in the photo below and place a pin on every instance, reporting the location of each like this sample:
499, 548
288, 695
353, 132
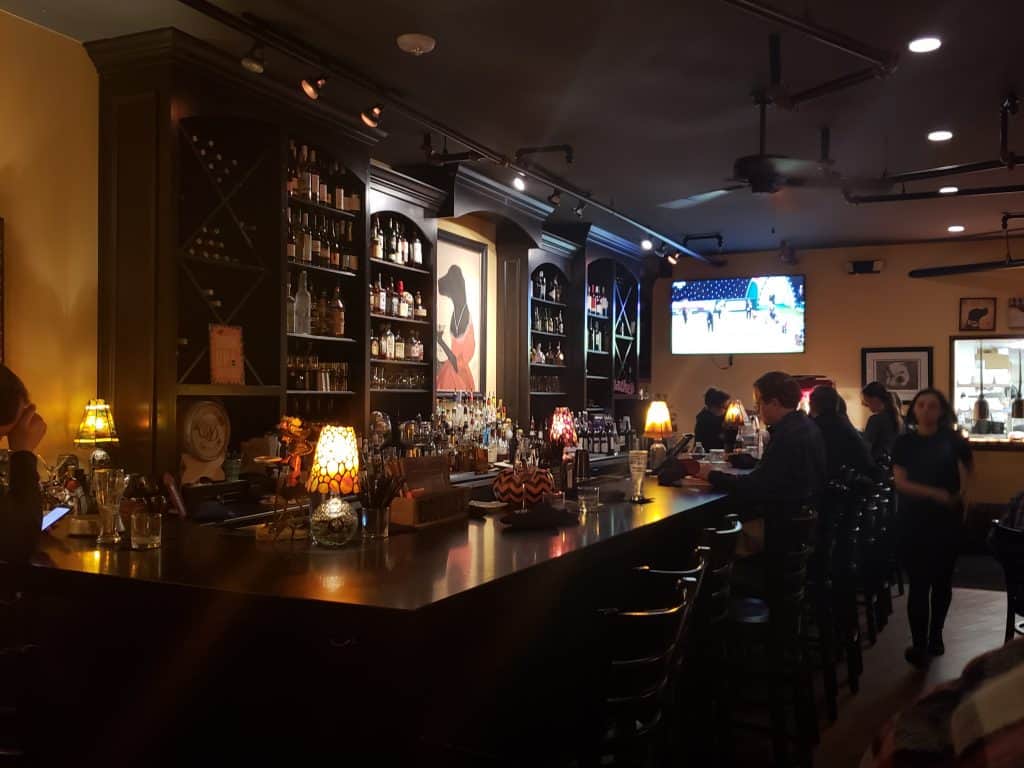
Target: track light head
673, 258
578, 210
255, 60
555, 198
371, 117
646, 244
312, 88
519, 182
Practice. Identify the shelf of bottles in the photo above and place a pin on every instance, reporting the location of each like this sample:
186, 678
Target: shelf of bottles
548, 330
400, 296
625, 344
324, 254
598, 310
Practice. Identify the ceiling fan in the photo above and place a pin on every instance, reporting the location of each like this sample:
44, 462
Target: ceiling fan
980, 266
767, 174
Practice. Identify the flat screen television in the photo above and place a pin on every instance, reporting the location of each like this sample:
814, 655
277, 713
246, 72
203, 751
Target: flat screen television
738, 315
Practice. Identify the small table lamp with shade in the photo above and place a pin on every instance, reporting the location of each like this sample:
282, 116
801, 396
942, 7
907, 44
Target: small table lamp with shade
98, 431
562, 435
335, 473
734, 420
657, 426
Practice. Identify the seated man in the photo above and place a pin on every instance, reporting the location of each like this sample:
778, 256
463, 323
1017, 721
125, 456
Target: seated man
709, 423
792, 470
21, 508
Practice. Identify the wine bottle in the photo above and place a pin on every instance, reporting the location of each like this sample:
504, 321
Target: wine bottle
290, 243
293, 170
307, 241
337, 313
378, 241
417, 251
289, 307
314, 177
303, 305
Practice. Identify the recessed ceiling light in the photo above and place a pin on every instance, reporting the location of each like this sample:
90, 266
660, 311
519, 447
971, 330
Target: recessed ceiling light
954, 228
924, 45
646, 244
948, 190
942, 135
416, 43
519, 183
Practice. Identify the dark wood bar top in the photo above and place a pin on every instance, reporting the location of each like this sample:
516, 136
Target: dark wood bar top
406, 572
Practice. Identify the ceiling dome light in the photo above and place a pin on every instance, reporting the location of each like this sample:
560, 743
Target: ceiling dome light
924, 45
312, 88
646, 244
948, 190
371, 117
942, 135
519, 183
416, 43
254, 61
955, 228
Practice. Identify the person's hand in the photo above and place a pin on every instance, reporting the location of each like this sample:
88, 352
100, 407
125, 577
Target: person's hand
28, 432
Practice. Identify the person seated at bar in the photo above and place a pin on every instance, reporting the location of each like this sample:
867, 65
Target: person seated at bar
931, 465
21, 508
710, 421
885, 422
844, 447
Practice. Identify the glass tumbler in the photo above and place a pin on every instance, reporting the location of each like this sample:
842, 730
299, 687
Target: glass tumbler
108, 486
146, 526
637, 468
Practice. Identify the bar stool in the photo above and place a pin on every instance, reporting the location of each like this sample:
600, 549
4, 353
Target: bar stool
766, 640
1008, 546
845, 579
642, 643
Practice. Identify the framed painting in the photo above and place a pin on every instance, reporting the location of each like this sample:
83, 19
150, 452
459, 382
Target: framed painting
903, 370
461, 306
977, 314
3, 340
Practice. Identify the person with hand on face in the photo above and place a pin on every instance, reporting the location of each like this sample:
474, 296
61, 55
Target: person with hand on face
21, 508
710, 421
931, 465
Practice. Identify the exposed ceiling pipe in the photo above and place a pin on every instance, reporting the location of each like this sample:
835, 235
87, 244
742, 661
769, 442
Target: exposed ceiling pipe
945, 170
840, 83
881, 59
263, 31
982, 266
933, 195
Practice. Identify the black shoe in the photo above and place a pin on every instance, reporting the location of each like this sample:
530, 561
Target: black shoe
936, 647
916, 656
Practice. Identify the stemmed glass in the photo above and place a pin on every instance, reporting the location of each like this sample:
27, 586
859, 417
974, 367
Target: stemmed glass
637, 469
108, 486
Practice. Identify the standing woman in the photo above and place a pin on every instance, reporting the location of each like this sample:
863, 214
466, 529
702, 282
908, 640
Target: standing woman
885, 423
931, 465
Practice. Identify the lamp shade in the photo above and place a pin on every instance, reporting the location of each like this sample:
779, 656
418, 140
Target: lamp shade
335, 463
735, 414
97, 425
563, 428
659, 423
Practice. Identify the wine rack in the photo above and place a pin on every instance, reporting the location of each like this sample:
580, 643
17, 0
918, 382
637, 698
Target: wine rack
550, 350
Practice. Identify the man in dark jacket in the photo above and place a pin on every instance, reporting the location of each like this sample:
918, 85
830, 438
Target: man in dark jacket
21, 508
793, 465
708, 429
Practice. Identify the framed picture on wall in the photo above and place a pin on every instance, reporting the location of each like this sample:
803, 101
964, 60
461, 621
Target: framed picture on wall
1014, 314
903, 370
977, 314
2, 291
461, 305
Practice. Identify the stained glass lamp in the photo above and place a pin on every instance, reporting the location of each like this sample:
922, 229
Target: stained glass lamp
335, 472
657, 426
97, 429
563, 428
734, 420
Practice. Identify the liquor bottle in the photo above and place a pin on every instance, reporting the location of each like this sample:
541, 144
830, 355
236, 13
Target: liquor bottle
314, 177
417, 348
555, 294
336, 313
541, 286
420, 311
339, 190
417, 251
382, 296
403, 308
303, 305
314, 246
307, 240
303, 185
374, 346
348, 252
399, 346
378, 241
389, 343
289, 307
604, 304
536, 319
335, 247
392, 298
598, 338
561, 324
549, 324
316, 319
392, 242
559, 354
293, 169
403, 247
290, 243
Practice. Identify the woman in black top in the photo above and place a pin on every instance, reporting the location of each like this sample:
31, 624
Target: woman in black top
843, 444
885, 423
21, 508
709, 426
931, 464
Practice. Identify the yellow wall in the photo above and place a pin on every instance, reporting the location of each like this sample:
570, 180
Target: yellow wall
845, 313
483, 231
49, 99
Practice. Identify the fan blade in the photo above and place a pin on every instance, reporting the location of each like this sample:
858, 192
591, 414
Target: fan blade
796, 168
702, 197
964, 269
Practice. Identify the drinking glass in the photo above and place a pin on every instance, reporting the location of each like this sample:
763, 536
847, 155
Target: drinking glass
589, 497
146, 527
637, 468
108, 485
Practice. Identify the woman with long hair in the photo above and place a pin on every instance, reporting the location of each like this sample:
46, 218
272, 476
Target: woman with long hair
843, 444
454, 375
885, 423
931, 466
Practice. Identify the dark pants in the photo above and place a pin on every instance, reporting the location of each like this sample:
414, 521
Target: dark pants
929, 593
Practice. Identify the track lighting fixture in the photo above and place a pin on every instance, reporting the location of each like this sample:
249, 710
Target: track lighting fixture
371, 117
646, 244
578, 210
254, 61
673, 258
555, 198
519, 182
312, 88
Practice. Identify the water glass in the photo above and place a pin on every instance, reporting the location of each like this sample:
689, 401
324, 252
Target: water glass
376, 522
146, 527
637, 469
108, 487
589, 497
555, 500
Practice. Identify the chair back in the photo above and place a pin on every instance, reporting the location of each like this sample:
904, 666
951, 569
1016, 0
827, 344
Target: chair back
1008, 547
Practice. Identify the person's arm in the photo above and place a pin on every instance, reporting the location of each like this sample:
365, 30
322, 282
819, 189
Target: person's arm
908, 487
21, 510
770, 479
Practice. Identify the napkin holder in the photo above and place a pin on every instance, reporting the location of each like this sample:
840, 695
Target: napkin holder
432, 499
